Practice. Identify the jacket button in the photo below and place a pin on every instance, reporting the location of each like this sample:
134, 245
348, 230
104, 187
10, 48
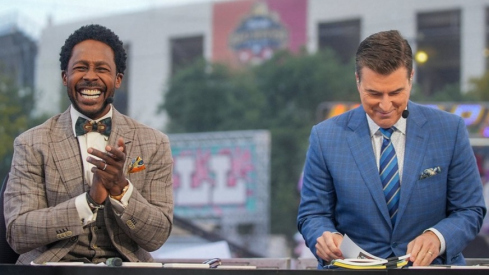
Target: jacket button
394, 245
130, 224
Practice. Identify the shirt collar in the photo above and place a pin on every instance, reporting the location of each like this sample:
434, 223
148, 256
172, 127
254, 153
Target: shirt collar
400, 126
75, 114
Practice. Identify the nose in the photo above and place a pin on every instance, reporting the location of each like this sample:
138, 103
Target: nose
90, 75
385, 103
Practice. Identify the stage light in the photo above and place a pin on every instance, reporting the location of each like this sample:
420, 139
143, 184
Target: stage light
421, 57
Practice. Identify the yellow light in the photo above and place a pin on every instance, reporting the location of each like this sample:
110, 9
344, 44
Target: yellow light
421, 57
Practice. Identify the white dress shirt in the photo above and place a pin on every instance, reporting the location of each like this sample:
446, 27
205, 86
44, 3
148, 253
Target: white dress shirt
97, 141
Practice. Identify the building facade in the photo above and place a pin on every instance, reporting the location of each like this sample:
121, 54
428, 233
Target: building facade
451, 35
18, 50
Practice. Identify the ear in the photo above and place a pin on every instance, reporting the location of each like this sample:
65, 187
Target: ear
118, 80
412, 75
357, 78
63, 77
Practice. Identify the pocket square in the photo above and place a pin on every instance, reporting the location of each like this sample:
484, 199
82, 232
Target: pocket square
137, 164
430, 172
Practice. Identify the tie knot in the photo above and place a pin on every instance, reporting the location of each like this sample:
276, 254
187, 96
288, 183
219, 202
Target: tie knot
83, 126
387, 132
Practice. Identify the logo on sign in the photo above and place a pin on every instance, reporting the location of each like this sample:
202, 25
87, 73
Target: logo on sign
258, 35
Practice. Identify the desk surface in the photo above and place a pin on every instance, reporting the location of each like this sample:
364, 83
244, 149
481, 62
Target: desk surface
102, 270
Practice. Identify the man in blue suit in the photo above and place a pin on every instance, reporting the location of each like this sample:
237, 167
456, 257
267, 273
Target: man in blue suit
435, 205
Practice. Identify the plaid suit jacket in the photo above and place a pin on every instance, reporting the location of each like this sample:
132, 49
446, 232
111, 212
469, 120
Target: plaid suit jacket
46, 176
342, 191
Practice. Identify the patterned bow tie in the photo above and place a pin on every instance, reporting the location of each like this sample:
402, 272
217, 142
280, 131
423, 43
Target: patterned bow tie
83, 126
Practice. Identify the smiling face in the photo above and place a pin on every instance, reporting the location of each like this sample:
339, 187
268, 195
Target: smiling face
91, 78
384, 97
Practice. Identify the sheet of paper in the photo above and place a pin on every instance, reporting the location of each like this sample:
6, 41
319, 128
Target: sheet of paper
351, 250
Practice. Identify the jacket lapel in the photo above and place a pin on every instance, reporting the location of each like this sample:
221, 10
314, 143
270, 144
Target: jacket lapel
122, 128
66, 155
416, 142
361, 149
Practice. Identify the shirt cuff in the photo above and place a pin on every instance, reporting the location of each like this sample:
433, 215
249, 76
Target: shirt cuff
121, 205
440, 237
84, 211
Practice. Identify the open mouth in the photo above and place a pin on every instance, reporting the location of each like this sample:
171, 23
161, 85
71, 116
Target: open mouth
90, 94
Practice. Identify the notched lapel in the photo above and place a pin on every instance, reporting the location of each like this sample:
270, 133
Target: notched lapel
67, 157
416, 142
362, 151
122, 129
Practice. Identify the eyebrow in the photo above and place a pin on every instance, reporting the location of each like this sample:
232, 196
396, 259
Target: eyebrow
98, 63
395, 91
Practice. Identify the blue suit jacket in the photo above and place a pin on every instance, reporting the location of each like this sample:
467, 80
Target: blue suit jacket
342, 191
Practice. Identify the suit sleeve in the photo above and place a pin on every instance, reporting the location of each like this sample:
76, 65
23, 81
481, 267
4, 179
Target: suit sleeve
31, 223
318, 198
465, 203
148, 217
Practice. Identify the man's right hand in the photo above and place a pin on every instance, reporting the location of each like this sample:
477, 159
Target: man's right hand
327, 246
98, 192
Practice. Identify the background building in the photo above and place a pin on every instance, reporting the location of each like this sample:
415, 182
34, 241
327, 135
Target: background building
452, 35
18, 49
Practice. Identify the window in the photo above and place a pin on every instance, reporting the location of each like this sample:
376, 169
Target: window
185, 51
438, 37
342, 37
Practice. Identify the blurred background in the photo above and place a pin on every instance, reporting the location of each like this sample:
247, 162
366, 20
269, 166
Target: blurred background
237, 85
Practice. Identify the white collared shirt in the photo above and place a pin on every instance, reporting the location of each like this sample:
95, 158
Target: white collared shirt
99, 142
398, 139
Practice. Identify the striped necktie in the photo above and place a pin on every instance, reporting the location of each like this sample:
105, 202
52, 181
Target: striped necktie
389, 173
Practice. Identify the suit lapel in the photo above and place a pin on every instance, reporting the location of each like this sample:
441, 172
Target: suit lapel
361, 149
416, 142
121, 128
66, 155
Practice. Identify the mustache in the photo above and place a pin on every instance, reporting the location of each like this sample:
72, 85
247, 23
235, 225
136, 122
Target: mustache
90, 85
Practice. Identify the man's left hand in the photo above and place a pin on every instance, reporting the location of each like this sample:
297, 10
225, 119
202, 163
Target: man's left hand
109, 168
424, 249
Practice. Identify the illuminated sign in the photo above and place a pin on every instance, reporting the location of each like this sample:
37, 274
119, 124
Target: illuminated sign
475, 115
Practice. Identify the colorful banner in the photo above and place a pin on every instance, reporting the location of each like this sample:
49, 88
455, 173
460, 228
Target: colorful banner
220, 173
251, 31
475, 115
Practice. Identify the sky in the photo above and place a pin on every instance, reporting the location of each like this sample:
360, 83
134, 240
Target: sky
34, 14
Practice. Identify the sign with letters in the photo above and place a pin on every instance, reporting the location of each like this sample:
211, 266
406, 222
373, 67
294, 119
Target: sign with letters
220, 173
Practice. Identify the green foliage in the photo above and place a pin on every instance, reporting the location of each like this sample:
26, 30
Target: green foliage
479, 87
15, 108
280, 95
205, 96
450, 92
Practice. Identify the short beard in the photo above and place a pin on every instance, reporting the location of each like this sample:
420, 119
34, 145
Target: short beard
91, 115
